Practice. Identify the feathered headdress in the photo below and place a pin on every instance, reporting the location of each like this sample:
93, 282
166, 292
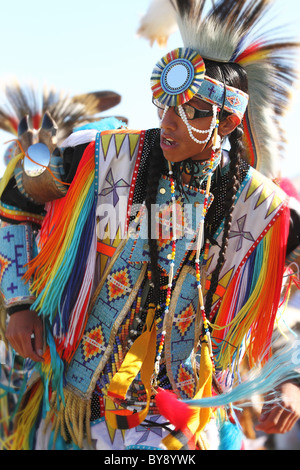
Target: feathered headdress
67, 112
158, 23
230, 31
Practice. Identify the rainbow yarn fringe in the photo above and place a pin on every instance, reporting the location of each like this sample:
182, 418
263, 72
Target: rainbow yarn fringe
249, 307
282, 366
62, 274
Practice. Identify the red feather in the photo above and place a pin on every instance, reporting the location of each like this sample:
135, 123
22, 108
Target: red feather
289, 188
174, 410
249, 51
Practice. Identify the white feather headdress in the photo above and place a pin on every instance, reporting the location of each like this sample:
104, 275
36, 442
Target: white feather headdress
158, 23
232, 31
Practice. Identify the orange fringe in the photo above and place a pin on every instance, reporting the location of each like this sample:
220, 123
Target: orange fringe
56, 223
259, 312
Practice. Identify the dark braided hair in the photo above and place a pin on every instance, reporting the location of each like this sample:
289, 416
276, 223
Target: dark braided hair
231, 190
157, 166
233, 75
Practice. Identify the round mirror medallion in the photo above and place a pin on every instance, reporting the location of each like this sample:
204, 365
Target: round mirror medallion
39, 159
177, 77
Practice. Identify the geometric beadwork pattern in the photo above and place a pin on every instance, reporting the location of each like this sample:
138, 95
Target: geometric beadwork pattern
185, 319
93, 343
4, 264
164, 243
188, 215
119, 284
120, 288
163, 221
180, 332
110, 305
15, 248
185, 381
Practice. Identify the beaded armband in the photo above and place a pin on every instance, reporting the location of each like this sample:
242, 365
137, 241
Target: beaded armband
16, 246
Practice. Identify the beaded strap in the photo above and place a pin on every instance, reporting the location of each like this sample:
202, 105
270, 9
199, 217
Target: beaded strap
170, 277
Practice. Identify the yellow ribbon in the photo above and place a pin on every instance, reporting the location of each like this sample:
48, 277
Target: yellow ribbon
140, 358
200, 416
9, 172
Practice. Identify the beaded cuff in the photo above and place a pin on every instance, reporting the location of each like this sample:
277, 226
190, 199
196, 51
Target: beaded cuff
16, 243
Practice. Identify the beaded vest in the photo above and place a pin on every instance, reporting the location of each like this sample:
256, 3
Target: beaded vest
124, 286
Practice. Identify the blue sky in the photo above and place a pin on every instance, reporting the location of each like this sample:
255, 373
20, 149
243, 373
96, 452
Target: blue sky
77, 47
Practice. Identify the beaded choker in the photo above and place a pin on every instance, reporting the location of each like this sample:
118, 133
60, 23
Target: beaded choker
197, 170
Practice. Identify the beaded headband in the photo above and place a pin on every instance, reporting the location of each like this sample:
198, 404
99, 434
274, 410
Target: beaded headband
180, 75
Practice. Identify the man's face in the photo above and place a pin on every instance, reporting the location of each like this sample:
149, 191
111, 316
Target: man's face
176, 143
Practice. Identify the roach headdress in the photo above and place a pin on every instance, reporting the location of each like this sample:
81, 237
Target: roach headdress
68, 112
233, 31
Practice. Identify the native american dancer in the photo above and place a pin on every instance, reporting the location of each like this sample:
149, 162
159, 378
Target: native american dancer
161, 266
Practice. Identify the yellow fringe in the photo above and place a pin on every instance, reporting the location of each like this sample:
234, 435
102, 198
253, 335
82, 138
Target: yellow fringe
73, 418
203, 442
200, 416
25, 421
5, 445
9, 172
4, 418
